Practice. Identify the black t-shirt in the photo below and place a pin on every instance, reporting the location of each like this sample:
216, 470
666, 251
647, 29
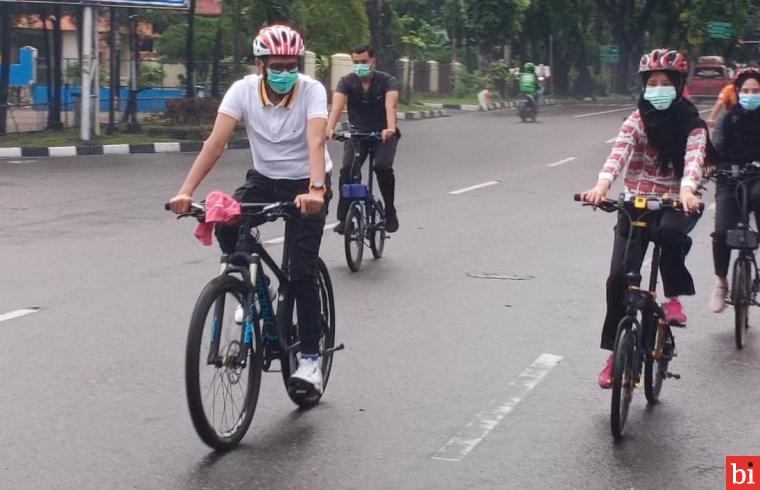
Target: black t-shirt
366, 110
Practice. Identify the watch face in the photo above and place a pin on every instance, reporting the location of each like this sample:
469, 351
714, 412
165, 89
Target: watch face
318, 184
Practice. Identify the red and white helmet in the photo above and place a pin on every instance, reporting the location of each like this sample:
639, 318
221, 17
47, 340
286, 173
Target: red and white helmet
278, 40
664, 60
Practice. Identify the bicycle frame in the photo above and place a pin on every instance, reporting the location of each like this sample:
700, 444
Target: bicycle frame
742, 198
247, 261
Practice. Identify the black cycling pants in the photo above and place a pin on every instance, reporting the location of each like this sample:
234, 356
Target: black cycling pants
727, 213
670, 231
303, 235
385, 152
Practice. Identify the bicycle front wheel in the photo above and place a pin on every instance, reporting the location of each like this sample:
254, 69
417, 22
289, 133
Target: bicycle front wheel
326, 342
222, 365
624, 378
354, 236
741, 292
377, 235
655, 370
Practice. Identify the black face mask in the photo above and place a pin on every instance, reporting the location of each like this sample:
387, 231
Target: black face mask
669, 129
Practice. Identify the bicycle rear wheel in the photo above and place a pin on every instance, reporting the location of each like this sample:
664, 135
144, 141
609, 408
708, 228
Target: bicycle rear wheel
741, 292
624, 374
222, 390
377, 235
326, 343
354, 236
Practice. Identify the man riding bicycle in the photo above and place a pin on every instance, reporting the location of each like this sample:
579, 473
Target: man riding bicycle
372, 98
285, 117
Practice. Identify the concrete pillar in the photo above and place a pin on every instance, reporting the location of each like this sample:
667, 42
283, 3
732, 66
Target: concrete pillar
433, 76
310, 64
340, 66
406, 77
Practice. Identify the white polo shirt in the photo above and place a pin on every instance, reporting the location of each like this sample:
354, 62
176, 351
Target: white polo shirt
277, 133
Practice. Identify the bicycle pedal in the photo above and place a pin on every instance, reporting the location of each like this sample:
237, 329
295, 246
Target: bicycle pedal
668, 374
335, 349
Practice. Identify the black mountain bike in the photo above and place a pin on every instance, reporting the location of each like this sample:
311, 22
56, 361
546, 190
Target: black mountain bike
225, 355
643, 337
365, 219
744, 287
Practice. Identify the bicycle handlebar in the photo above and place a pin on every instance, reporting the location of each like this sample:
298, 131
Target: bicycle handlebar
271, 211
347, 135
738, 171
651, 203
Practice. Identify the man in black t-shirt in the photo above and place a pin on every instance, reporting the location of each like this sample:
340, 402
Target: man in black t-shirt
372, 98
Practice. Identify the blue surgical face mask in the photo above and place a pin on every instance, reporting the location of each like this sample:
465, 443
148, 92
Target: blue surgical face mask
281, 82
750, 102
660, 97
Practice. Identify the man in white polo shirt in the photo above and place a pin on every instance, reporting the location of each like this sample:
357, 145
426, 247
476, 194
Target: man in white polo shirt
285, 117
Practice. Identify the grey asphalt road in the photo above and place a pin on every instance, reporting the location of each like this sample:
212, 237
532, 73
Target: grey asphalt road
434, 388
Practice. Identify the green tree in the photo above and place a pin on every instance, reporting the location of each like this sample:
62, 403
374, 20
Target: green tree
335, 26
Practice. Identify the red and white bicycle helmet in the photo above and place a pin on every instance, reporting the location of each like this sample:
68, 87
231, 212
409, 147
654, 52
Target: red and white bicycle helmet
278, 40
745, 73
664, 60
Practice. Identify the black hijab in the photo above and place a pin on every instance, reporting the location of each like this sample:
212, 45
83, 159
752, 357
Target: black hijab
741, 132
669, 129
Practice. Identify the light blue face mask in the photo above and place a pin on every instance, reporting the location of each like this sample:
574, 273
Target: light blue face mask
362, 70
660, 97
281, 82
750, 102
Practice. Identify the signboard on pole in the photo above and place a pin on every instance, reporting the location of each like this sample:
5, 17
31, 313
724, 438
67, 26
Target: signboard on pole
719, 30
609, 53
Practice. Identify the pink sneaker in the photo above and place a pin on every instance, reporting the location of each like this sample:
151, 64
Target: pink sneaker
605, 377
674, 312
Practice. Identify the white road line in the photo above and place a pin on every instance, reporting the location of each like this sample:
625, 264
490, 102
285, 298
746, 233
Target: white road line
562, 162
705, 110
17, 314
474, 187
711, 207
611, 140
280, 239
483, 423
578, 116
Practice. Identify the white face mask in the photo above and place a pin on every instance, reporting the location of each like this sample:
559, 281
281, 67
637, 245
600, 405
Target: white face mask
660, 97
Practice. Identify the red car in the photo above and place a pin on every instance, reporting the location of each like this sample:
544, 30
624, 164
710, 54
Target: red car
709, 77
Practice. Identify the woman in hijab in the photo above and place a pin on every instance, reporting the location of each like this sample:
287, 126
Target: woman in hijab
740, 145
660, 149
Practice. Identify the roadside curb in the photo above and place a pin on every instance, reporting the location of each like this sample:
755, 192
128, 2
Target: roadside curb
163, 147
507, 104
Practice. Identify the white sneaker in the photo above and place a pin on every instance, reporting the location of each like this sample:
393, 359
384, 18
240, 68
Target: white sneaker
239, 309
718, 297
308, 376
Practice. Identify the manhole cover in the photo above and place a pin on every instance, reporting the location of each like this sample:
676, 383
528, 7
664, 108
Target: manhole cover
502, 276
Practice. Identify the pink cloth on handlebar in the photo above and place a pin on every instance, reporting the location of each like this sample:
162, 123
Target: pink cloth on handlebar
220, 208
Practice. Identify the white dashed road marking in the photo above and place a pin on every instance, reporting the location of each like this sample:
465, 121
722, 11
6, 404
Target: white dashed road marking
562, 162
474, 187
483, 423
18, 313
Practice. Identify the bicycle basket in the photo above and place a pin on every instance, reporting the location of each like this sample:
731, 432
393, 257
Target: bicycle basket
742, 239
354, 191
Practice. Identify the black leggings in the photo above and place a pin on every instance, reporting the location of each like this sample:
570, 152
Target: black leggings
304, 236
670, 231
727, 213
